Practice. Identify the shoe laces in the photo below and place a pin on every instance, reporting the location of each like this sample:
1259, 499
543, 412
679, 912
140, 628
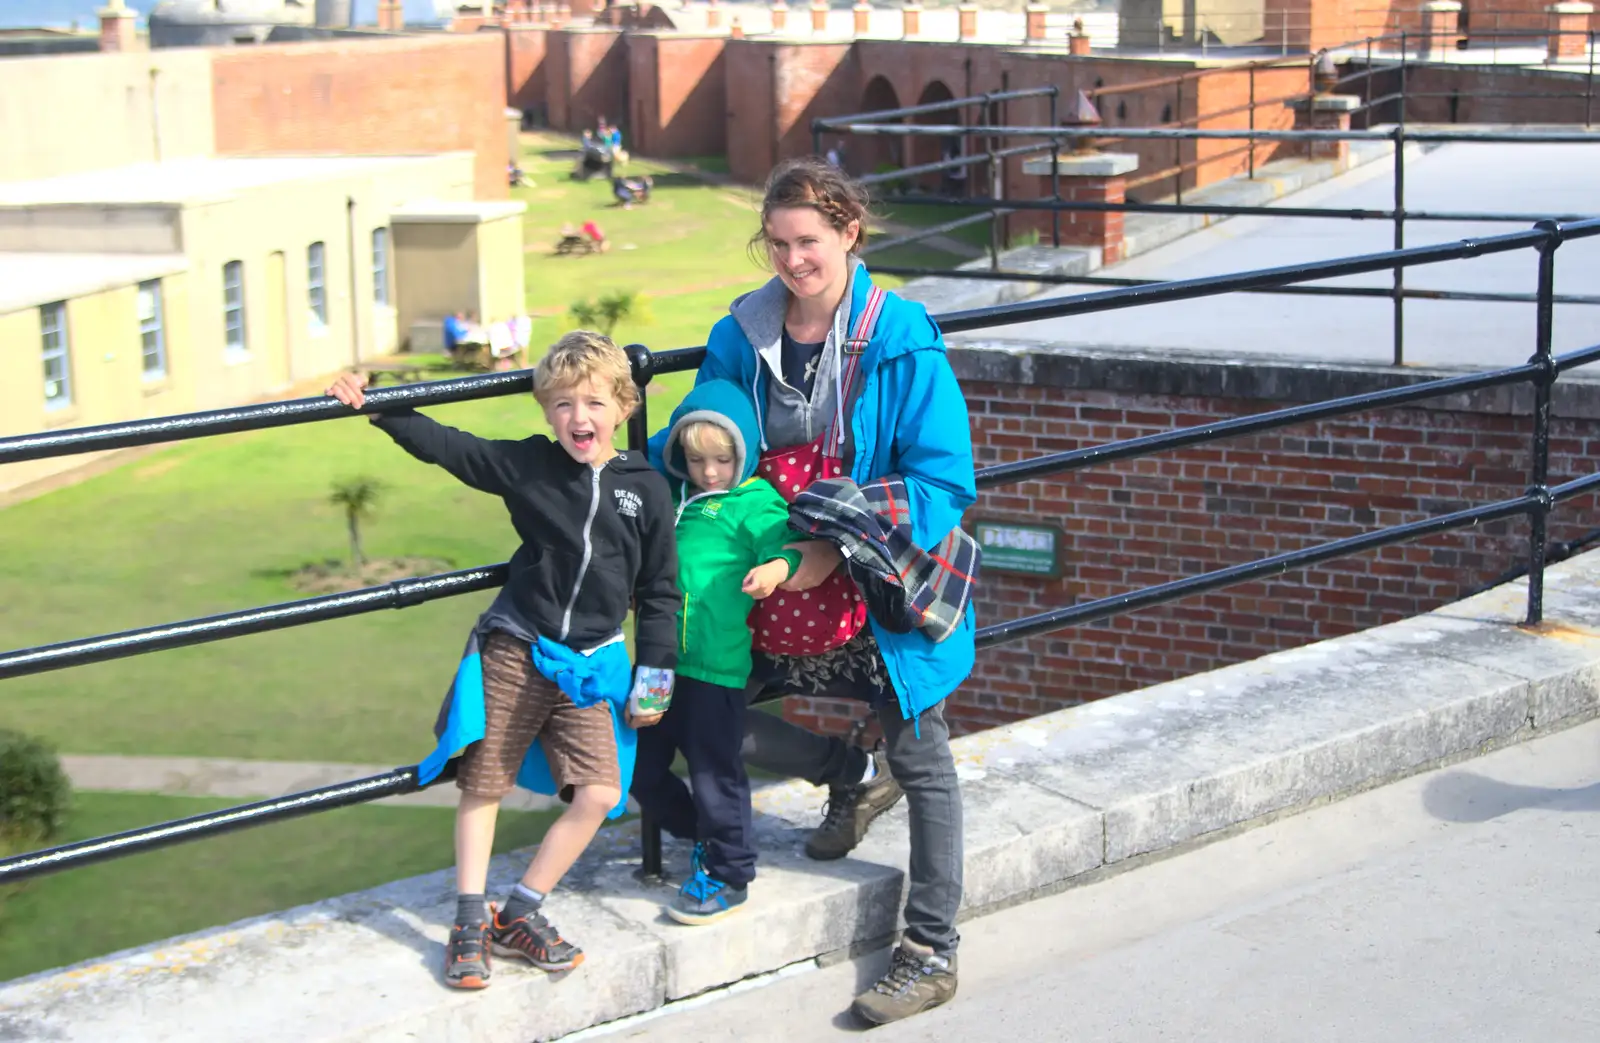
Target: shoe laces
697, 858
700, 887
841, 803
905, 970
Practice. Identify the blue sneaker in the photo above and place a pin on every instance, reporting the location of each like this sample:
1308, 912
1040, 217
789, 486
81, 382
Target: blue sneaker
703, 899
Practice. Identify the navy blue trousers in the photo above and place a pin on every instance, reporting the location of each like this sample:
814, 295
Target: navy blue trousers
705, 722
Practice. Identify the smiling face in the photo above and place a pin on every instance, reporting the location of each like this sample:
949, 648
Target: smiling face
584, 416
808, 253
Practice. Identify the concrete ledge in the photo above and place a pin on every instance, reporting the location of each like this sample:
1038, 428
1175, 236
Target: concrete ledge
1083, 791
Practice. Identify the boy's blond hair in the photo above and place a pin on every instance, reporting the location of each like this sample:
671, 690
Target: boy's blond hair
704, 437
583, 355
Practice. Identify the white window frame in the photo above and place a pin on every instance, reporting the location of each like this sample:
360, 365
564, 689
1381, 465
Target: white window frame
235, 334
317, 286
380, 266
55, 348
152, 331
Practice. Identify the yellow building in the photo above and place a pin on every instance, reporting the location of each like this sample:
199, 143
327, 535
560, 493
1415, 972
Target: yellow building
198, 283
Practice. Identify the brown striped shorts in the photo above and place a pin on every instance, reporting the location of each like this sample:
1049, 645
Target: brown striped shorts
521, 705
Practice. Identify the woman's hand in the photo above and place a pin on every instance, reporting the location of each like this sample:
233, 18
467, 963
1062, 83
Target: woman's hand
644, 722
818, 559
349, 389
762, 580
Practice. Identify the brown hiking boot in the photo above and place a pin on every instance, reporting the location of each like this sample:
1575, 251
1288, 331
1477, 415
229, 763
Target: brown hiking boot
917, 980
850, 810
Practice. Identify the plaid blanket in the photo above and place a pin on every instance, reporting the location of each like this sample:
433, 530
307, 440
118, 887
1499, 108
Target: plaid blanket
906, 587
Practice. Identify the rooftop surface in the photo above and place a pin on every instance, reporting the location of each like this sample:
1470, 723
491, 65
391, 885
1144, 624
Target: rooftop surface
1523, 178
178, 181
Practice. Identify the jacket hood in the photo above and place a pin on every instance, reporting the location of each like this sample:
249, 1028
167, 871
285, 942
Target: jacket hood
725, 404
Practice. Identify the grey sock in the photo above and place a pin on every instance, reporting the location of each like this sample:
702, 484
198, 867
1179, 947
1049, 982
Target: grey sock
522, 901
471, 909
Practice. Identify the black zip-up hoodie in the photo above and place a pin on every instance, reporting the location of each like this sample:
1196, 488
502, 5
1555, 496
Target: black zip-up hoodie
593, 539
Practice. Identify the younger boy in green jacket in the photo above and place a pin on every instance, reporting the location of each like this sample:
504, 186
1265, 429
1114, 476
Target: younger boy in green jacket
731, 530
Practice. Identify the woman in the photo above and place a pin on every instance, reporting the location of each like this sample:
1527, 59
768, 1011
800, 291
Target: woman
907, 417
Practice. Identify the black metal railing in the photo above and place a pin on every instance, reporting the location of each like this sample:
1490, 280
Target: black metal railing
1535, 503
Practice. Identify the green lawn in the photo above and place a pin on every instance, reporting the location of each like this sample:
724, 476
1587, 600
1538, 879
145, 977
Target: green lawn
100, 909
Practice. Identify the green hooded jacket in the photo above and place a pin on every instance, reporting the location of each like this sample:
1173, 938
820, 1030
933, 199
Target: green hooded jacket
721, 537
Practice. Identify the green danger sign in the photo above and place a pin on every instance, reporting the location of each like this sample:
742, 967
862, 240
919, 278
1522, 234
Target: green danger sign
1031, 549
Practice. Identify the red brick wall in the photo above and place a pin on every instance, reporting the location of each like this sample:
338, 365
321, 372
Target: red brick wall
680, 99
586, 76
371, 97
526, 86
1142, 522
775, 89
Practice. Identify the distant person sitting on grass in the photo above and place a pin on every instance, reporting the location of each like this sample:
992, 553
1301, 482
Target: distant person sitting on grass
462, 331
631, 190
545, 696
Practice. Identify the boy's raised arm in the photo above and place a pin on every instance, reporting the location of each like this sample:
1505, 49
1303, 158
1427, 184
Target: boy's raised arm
486, 464
655, 590
489, 465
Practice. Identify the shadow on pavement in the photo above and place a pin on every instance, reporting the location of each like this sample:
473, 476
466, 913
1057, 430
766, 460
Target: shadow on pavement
1466, 797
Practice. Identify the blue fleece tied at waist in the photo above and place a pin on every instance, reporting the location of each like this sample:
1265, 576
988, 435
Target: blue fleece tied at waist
602, 675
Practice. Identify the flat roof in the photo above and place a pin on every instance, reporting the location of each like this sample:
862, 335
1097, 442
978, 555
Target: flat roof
1496, 178
28, 280
453, 211
192, 180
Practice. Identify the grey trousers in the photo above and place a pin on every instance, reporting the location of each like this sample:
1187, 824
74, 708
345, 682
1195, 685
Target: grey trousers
923, 766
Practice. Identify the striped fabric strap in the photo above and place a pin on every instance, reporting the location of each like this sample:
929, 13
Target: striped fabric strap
854, 348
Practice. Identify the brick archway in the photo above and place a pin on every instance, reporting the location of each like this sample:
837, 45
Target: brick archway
877, 153
931, 150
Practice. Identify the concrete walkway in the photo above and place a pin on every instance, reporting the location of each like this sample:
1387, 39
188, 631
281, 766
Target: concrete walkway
1451, 907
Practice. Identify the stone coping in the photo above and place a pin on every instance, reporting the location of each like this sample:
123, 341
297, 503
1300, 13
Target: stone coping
1050, 802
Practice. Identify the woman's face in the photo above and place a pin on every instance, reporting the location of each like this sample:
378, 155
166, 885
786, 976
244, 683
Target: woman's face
809, 254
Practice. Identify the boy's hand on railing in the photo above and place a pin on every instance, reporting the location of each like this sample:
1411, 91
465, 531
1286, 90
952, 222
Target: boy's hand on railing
349, 388
651, 696
762, 580
818, 559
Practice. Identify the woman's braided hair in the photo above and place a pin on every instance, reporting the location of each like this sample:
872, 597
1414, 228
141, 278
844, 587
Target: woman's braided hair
813, 182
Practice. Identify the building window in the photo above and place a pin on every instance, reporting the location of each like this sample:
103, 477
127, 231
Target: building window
57, 360
152, 338
233, 307
316, 289
380, 266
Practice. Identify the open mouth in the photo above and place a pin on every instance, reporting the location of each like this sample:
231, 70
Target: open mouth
802, 273
583, 439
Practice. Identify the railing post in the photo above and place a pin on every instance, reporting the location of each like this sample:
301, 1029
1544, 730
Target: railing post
1177, 146
1399, 285
1252, 121
1588, 83
642, 362
816, 138
1055, 176
1367, 106
1539, 471
996, 186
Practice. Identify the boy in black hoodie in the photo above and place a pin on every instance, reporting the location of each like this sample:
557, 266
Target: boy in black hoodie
547, 659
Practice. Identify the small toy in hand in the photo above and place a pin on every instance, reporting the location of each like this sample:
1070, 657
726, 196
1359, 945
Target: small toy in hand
652, 692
